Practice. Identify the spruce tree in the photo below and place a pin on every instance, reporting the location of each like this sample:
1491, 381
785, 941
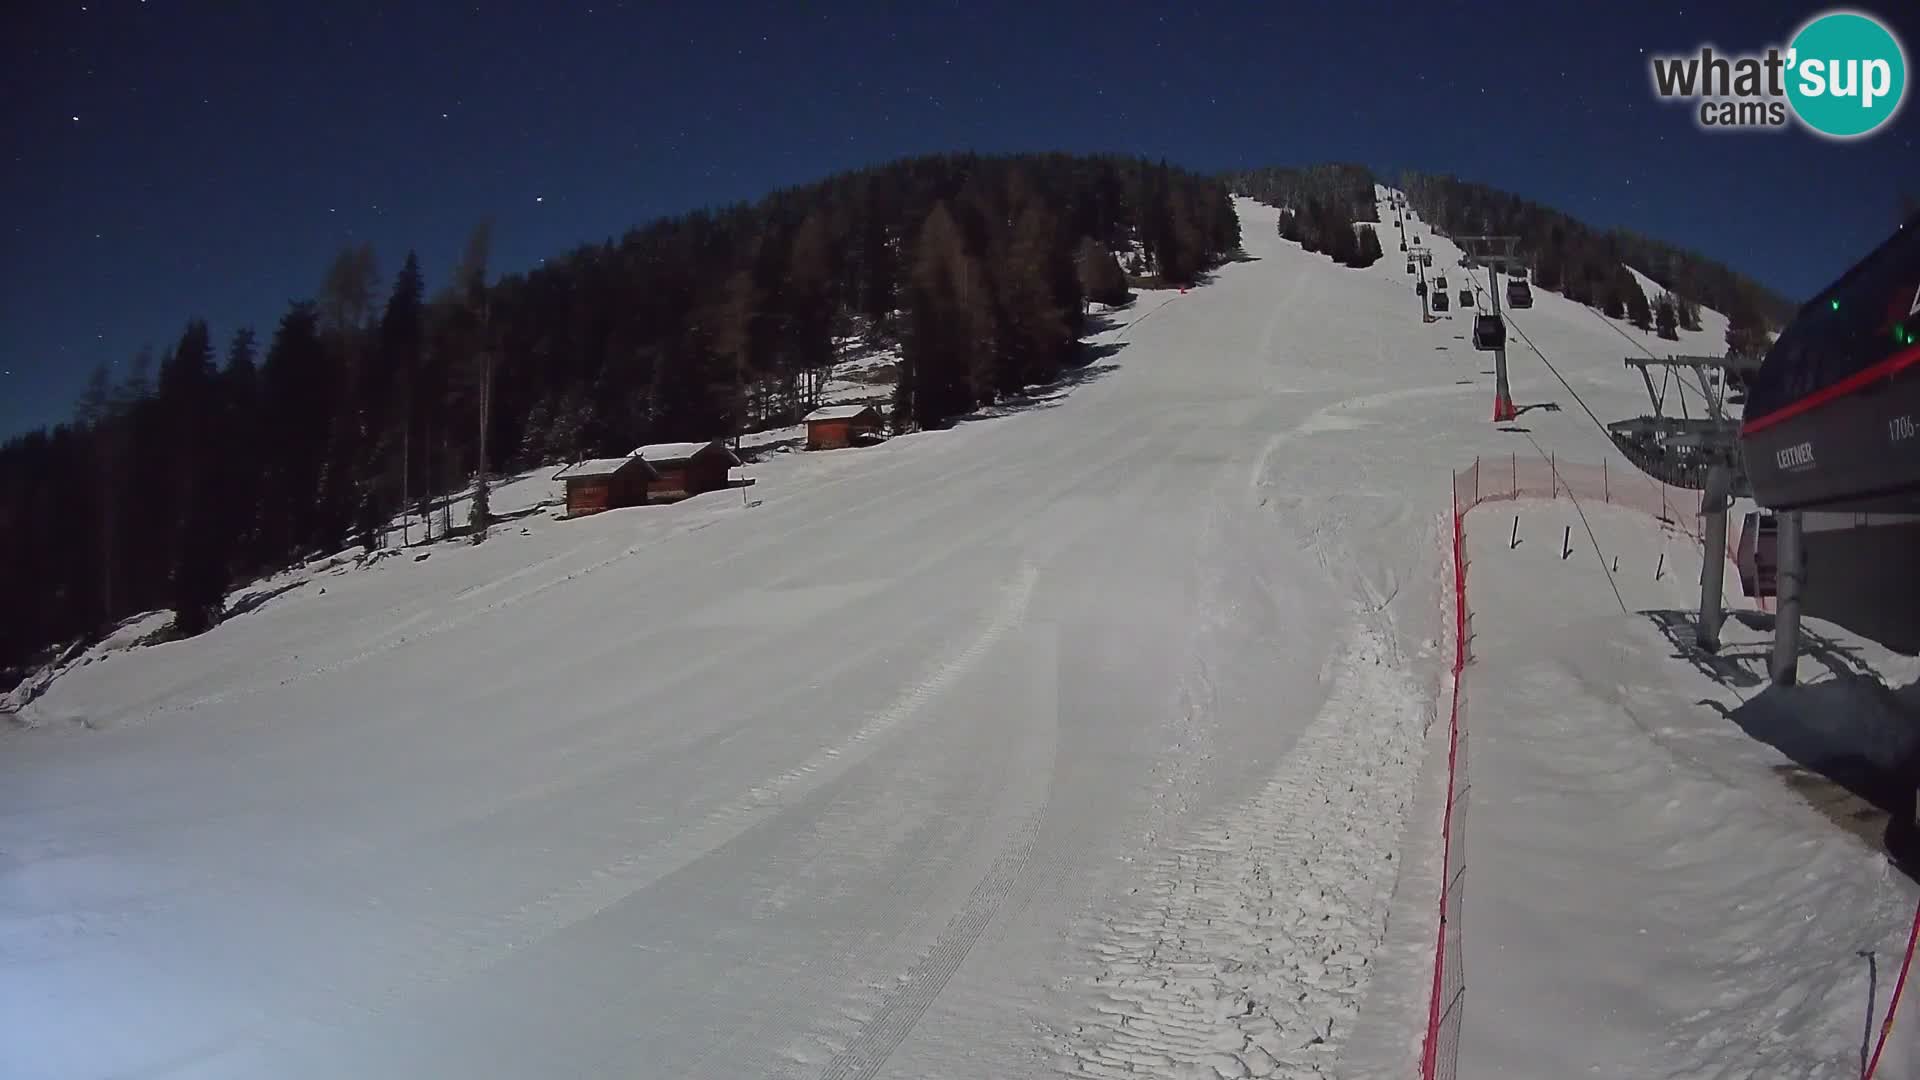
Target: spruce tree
937, 353
1746, 333
189, 397
1368, 248
810, 301
242, 452
1689, 315
1666, 319
1638, 311
1101, 278
1037, 336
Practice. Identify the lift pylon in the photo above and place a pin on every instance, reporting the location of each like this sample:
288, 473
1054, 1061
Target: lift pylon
1496, 253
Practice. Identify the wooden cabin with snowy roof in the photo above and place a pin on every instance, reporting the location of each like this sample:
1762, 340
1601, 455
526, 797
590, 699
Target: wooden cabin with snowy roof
834, 426
605, 484
682, 470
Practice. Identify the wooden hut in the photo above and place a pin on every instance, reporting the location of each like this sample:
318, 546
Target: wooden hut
605, 484
685, 469
834, 426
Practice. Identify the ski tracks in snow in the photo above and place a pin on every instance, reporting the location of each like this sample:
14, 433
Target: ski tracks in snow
1245, 950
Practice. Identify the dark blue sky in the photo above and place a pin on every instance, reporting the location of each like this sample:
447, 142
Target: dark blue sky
222, 153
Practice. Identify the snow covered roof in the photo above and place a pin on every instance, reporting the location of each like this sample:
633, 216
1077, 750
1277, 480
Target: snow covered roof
838, 412
668, 452
594, 467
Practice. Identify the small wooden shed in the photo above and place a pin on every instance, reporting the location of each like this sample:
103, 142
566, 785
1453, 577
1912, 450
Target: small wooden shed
834, 426
605, 484
685, 469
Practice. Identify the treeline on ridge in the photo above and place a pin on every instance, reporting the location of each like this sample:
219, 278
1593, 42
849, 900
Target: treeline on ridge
191, 471
1586, 264
1324, 208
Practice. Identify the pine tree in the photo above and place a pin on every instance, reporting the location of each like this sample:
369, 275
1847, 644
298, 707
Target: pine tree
1615, 305
200, 541
387, 472
296, 409
1311, 219
1638, 311
239, 402
1100, 275
1689, 315
346, 307
533, 436
1036, 336
96, 401
937, 356
1369, 251
1666, 318
1746, 333
811, 310
1290, 226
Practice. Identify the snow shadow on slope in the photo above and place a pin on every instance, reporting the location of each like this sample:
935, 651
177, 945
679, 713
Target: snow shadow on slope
1853, 742
1850, 735
1053, 394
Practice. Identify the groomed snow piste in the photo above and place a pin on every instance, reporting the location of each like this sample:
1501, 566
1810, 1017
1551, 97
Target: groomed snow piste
1092, 737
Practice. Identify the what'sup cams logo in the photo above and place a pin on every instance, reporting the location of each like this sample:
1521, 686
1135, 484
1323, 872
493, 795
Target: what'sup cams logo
1842, 76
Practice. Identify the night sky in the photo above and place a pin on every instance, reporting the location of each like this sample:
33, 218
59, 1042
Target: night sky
169, 159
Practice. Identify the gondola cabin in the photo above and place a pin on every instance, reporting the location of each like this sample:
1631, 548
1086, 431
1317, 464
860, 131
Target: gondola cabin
1489, 332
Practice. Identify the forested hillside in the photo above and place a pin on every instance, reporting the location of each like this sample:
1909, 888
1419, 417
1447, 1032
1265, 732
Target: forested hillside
194, 471
1346, 188
1321, 206
1584, 263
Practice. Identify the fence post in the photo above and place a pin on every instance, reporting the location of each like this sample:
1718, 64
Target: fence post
1553, 473
1476, 478
1606, 488
1513, 463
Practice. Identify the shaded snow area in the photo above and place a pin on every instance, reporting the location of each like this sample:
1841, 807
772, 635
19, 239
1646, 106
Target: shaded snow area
1096, 736
1673, 870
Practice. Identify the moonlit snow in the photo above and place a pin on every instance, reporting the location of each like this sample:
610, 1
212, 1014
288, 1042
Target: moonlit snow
1098, 736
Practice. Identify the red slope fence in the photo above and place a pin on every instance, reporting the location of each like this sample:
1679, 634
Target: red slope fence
1497, 480
1440, 1051
1506, 479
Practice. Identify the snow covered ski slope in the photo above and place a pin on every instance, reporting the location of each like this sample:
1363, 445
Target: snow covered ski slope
1085, 738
